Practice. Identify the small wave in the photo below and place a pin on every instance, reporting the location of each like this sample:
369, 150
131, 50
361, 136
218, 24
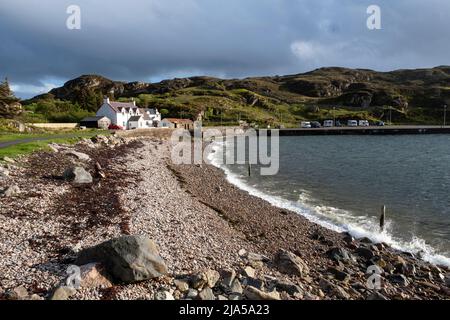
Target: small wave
332, 218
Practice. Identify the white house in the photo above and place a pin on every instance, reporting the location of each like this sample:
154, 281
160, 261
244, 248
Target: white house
124, 114
136, 122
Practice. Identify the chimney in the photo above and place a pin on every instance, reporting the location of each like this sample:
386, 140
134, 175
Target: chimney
106, 100
133, 101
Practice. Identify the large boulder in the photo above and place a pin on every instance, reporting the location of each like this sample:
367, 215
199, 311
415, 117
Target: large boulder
127, 259
289, 263
78, 175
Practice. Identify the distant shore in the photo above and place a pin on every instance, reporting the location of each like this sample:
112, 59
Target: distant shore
372, 130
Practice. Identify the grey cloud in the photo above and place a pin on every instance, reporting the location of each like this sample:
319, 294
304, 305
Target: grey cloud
155, 39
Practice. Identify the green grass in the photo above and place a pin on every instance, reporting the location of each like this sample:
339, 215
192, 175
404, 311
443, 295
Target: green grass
30, 147
7, 136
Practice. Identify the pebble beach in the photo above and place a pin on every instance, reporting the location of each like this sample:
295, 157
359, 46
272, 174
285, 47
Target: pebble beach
203, 227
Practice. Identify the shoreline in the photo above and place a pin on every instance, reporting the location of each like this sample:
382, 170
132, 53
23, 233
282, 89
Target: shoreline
199, 222
425, 252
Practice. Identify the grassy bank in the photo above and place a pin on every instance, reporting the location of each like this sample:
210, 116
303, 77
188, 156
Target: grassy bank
26, 147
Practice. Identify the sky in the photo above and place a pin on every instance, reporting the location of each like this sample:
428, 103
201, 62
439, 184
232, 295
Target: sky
152, 40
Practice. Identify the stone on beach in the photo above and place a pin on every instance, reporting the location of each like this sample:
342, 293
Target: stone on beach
164, 295
192, 294
248, 272
8, 160
182, 286
399, 279
365, 253
338, 254
289, 263
253, 293
92, 276
63, 293
227, 276
127, 259
333, 289
206, 294
10, 191
78, 175
212, 277
376, 296
287, 286
79, 155
3, 172
18, 293
236, 287
207, 278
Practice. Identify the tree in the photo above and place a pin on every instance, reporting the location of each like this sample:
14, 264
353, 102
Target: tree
5, 91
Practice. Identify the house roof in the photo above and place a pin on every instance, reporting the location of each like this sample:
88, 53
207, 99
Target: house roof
135, 118
117, 106
93, 119
146, 116
174, 120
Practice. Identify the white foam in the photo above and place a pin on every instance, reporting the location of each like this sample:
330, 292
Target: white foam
332, 218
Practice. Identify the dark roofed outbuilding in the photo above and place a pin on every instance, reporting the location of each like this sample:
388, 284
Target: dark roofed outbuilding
95, 122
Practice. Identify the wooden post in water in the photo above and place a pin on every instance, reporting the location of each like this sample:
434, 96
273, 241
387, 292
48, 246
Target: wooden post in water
382, 218
249, 169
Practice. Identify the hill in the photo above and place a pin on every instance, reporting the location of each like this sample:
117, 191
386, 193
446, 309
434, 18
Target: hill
413, 96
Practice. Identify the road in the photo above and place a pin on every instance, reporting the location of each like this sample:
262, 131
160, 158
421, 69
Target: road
372, 130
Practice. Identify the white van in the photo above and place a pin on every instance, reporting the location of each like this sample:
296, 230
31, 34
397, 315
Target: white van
364, 123
305, 125
328, 123
352, 123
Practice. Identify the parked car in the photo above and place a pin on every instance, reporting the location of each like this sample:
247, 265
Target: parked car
338, 123
306, 125
316, 124
328, 123
352, 123
380, 123
115, 127
364, 123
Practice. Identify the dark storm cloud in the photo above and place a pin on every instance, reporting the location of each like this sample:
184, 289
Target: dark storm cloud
155, 39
